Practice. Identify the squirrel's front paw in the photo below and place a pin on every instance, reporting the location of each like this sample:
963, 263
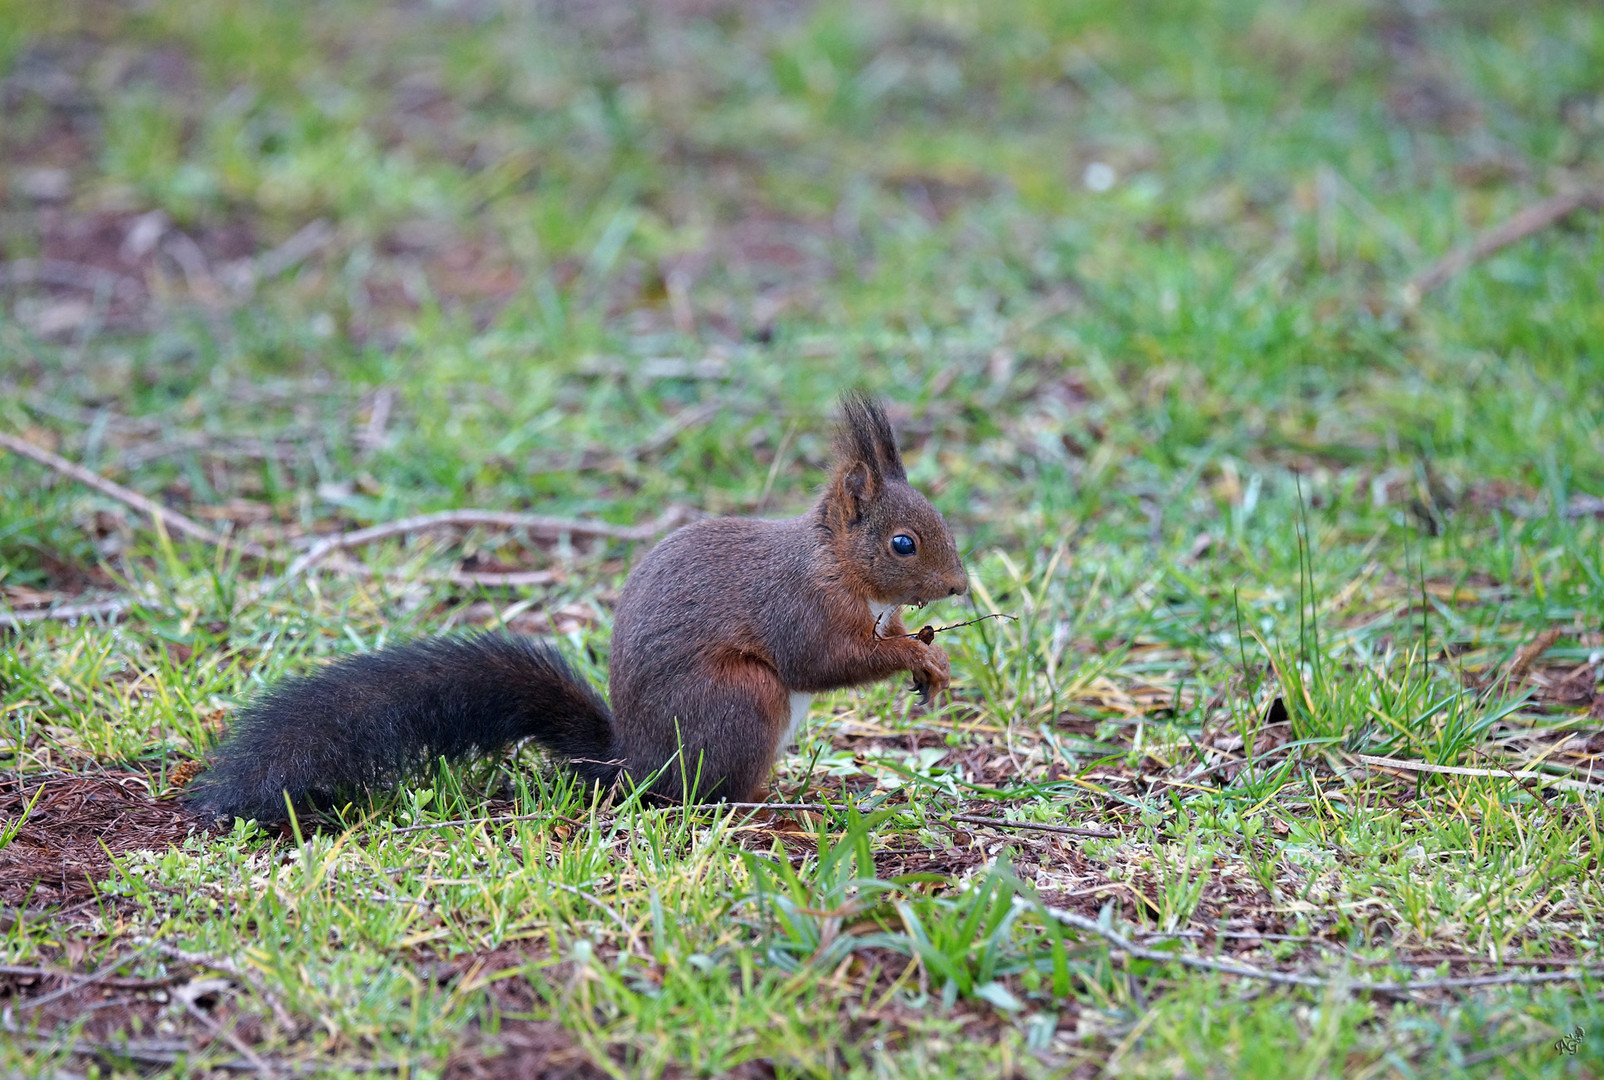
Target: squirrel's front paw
931, 671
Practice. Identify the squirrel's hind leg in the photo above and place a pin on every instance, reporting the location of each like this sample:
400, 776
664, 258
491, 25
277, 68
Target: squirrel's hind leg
720, 742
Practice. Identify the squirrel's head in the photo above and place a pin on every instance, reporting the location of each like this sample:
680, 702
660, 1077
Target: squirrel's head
893, 546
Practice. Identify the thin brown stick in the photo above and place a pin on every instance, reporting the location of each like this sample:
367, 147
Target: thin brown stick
809, 807
1467, 982
927, 633
247, 274
517, 579
682, 421
792, 807
1493, 1053
512, 579
1433, 959
227, 967
1293, 978
218, 1031
169, 519
121, 982
1533, 219
816, 808
1064, 830
538, 524
1227, 935
74, 986
107, 609
71, 275
295, 250
1406, 765
1529, 653
171, 1051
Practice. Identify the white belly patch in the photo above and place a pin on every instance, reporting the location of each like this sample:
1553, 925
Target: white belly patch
881, 614
799, 713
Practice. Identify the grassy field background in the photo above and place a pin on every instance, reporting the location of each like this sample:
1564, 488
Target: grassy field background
1136, 281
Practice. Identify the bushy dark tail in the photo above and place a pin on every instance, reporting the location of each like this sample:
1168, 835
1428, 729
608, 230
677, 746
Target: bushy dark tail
366, 721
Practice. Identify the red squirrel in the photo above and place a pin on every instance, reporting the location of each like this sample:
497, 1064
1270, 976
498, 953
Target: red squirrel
723, 633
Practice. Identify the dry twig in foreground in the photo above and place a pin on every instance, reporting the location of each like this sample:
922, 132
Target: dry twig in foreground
1062, 830
1293, 978
537, 524
102, 609
168, 519
1533, 219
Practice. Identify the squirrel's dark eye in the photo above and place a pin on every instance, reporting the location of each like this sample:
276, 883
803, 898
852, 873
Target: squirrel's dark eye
902, 544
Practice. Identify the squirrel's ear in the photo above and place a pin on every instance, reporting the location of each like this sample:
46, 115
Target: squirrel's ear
856, 485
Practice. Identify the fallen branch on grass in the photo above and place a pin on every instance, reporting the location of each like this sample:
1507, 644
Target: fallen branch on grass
70, 275
1521, 666
227, 1034
1064, 830
121, 982
468, 579
816, 808
71, 987
537, 524
798, 807
1292, 978
311, 239
172, 520
1533, 219
173, 1051
1406, 765
227, 967
103, 609
165, 518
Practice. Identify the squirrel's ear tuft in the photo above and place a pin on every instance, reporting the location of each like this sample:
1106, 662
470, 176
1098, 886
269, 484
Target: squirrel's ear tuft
864, 436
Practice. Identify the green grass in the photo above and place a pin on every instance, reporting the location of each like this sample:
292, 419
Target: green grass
1189, 430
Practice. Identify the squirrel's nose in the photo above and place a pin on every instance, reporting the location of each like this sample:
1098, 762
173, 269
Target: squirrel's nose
960, 586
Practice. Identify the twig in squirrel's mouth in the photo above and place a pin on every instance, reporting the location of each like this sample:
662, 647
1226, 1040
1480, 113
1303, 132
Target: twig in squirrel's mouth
927, 634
